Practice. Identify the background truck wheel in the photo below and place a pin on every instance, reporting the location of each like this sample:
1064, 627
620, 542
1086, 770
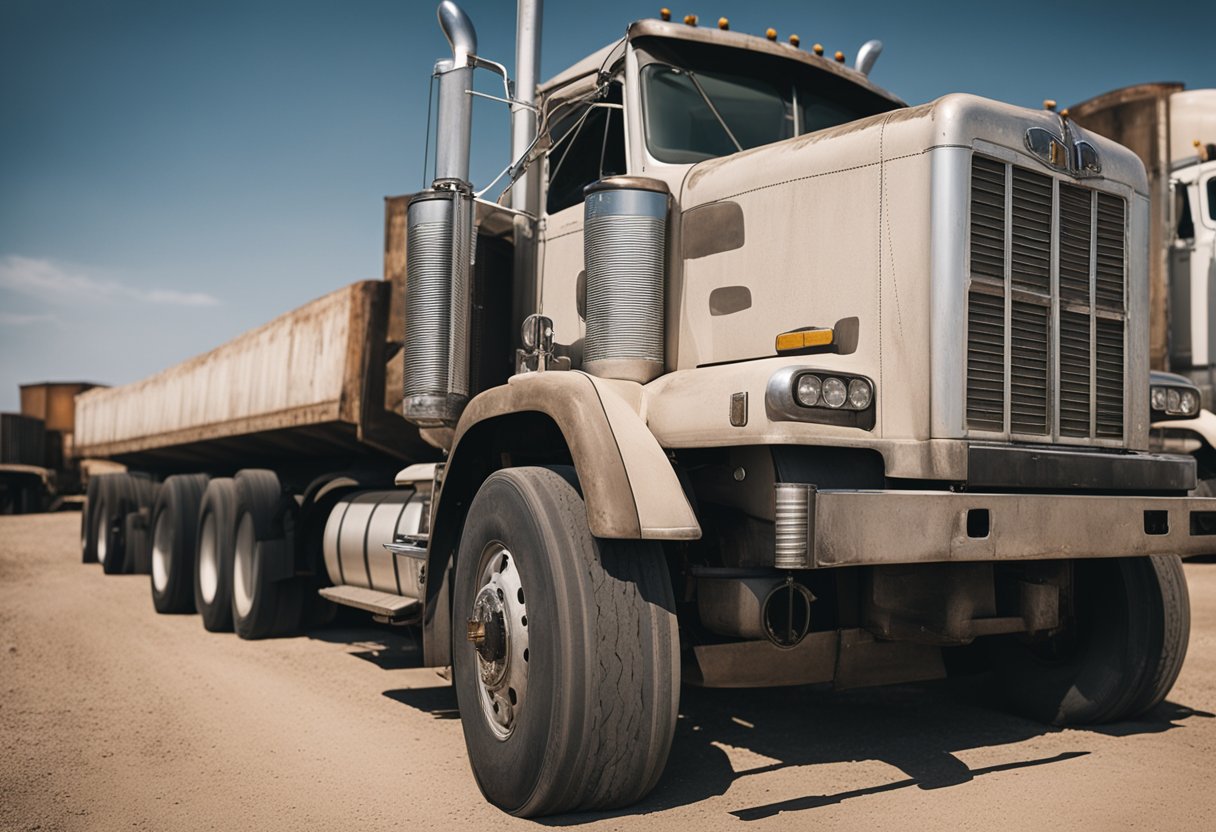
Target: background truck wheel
569, 698
117, 496
266, 596
88, 530
1132, 623
213, 555
172, 530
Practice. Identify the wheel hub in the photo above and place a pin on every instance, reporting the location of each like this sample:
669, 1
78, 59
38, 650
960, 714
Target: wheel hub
498, 631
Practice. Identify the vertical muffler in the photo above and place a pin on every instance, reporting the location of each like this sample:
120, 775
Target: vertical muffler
625, 256
440, 247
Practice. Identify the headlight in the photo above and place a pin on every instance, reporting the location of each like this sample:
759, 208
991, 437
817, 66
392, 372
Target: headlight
834, 392
811, 394
808, 390
845, 393
1189, 403
1174, 401
860, 394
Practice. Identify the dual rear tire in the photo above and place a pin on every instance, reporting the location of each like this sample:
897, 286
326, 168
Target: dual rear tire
173, 541
107, 531
244, 573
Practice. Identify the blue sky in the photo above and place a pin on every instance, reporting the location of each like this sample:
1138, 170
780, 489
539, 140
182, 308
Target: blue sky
173, 173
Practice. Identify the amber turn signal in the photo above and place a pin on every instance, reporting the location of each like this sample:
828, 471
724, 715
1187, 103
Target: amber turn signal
803, 339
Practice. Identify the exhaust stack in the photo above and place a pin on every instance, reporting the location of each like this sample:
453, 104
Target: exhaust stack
440, 247
867, 55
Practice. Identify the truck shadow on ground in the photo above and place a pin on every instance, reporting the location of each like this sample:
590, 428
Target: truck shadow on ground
915, 728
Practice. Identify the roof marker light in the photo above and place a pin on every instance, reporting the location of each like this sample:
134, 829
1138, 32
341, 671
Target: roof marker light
771, 33
690, 19
723, 24
839, 56
665, 14
795, 40
818, 49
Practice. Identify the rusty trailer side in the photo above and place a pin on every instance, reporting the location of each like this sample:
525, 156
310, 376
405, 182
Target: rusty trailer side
305, 390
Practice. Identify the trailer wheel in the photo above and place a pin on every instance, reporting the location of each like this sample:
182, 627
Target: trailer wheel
173, 531
88, 530
1121, 657
568, 682
213, 555
266, 597
117, 496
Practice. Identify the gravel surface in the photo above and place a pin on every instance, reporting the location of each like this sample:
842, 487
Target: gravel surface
114, 717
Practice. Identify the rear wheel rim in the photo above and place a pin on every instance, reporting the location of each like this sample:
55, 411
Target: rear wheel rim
208, 560
502, 682
103, 534
162, 545
242, 572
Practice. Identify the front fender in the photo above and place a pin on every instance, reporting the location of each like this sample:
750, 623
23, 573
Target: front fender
628, 483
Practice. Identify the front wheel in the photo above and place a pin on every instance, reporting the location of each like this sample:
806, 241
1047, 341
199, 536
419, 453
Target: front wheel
1120, 656
565, 658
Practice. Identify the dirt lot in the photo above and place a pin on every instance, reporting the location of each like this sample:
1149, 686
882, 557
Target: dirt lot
113, 717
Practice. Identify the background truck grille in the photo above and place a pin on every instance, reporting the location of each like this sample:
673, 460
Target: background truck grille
1046, 306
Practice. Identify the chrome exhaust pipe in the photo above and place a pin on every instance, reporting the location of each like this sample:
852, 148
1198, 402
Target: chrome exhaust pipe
867, 55
455, 104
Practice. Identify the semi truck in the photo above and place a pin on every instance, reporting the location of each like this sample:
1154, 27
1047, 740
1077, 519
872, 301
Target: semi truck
1173, 131
752, 375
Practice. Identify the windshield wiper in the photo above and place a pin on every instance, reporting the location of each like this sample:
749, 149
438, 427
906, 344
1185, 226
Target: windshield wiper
712, 108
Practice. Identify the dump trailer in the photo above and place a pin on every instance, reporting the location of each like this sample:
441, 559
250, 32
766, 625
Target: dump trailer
1173, 131
39, 468
752, 375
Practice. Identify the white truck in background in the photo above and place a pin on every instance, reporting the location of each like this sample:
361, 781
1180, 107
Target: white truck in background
811, 387
1173, 131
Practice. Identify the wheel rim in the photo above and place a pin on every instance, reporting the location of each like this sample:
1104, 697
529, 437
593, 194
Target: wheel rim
242, 572
102, 537
208, 560
498, 629
162, 544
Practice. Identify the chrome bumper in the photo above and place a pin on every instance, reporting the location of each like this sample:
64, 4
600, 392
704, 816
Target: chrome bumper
853, 528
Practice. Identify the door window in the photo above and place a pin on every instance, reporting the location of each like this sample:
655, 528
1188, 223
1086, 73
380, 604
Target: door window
588, 145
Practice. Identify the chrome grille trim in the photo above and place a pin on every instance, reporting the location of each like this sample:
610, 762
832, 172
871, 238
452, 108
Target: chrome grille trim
1055, 302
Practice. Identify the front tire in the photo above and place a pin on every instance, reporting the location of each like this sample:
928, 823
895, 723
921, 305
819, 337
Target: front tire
1120, 657
569, 700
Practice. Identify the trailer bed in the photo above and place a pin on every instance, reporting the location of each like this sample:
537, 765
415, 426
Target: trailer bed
308, 385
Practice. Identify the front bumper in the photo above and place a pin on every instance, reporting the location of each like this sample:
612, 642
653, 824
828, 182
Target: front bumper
855, 528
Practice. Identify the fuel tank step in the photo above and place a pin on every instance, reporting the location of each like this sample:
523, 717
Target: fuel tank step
393, 608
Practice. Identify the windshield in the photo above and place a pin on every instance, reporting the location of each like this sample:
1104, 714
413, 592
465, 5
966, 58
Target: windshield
695, 112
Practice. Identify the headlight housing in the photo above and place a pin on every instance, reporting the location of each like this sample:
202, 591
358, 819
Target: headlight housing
1173, 400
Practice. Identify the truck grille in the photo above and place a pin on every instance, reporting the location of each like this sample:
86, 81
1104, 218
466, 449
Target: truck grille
1046, 306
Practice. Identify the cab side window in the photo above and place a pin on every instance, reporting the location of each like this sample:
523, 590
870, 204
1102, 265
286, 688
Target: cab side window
588, 144
1182, 210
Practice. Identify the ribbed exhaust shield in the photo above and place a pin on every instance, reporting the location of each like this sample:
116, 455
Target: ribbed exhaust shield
437, 308
625, 252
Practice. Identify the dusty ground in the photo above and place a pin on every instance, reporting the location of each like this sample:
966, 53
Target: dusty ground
113, 717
